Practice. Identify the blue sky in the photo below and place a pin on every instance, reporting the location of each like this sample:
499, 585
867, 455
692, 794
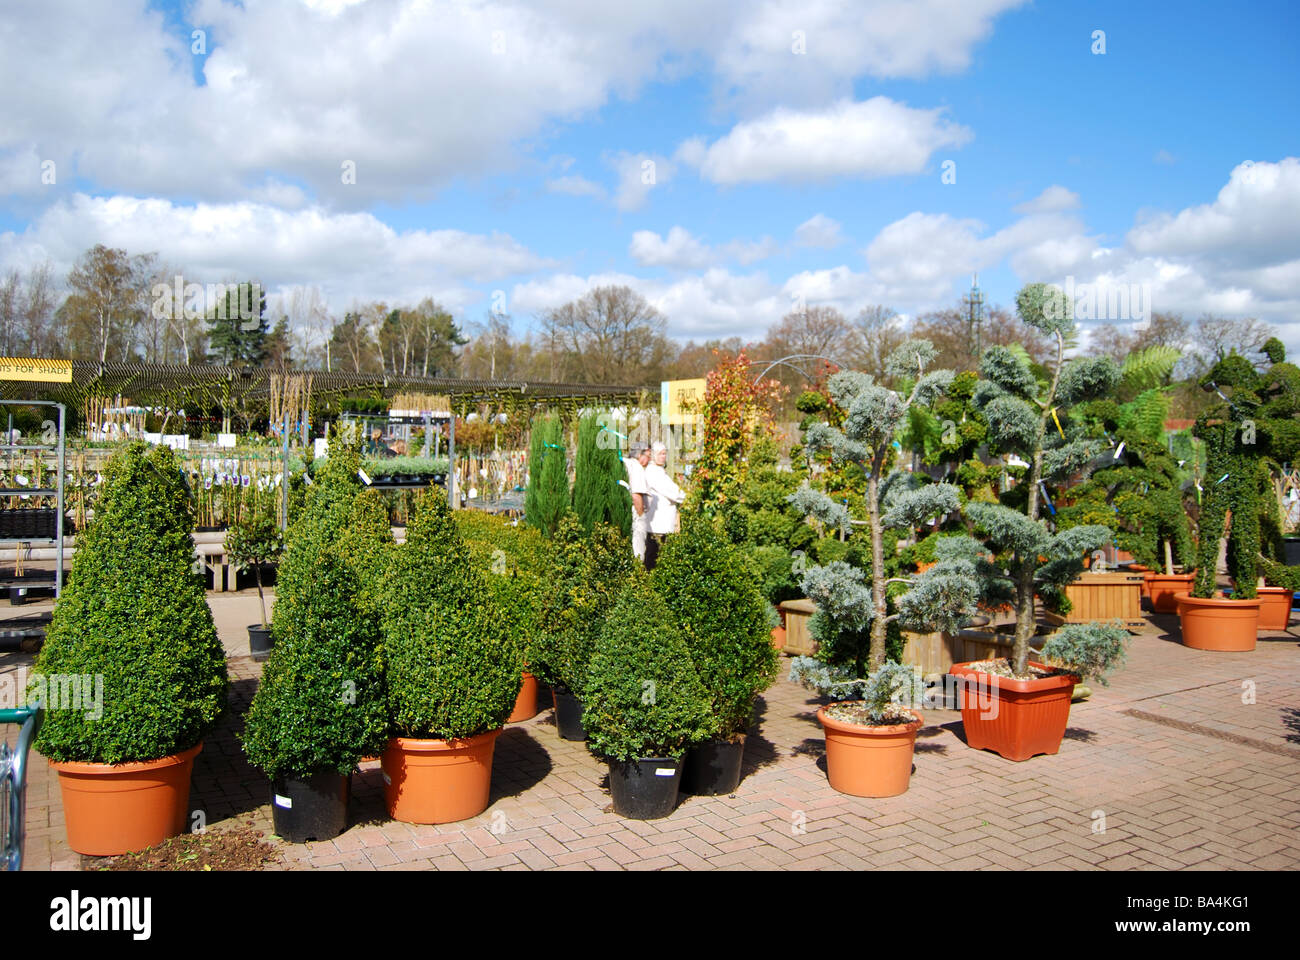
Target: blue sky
493, 143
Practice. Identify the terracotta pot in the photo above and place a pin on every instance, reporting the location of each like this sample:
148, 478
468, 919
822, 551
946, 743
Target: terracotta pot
1217, 623
922, 566
1274, 608
526, 703
438, 781
1161, 588
1016, 719
119, 808
778, 637
869, 761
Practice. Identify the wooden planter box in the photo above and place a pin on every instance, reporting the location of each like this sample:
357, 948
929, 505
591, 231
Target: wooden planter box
1103, 596
937, 652
798, 641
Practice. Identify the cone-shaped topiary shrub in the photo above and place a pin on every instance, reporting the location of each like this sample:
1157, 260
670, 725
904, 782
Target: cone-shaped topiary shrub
518, 570
320, 705
134, 618
724, 619
589, 573
643, 697
453, 667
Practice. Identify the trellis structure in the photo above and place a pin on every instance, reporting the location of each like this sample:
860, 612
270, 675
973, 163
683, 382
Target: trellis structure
249, 390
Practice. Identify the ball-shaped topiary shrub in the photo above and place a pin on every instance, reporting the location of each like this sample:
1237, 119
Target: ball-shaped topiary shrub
453, 667
320, 705
724, 620
643, 697
589, 571
134, 617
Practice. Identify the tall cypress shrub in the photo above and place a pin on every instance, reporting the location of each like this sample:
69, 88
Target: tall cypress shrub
134, 614
547, 496
597, 494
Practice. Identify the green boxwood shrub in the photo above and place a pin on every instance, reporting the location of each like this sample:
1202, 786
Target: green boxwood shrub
723, 617
516, 561
453, 667
134, 614
643, 697
589, 572
320, 705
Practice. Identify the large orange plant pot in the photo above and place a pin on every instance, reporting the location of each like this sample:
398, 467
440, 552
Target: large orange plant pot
869, 761
526, 702
119, 808
438, 781
778, 637
1163, 587
1016, 719
1218, 623
1274, 608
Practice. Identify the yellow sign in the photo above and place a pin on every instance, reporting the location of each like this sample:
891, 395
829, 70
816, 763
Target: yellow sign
35, 368
679, 401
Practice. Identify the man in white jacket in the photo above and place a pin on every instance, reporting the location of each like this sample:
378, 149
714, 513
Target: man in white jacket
636, 485
665, 497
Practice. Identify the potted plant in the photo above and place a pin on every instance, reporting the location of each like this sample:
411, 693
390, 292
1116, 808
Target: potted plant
724, 621
589, 572
320, 706
644, 703
253, 540
133, 628
515, 560
870, 728
453, 673
1029, 418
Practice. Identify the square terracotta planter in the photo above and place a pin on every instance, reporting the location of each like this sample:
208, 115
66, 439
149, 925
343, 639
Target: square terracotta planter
1016, 719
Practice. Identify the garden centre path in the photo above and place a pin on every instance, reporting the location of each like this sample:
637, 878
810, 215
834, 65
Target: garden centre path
1188, 760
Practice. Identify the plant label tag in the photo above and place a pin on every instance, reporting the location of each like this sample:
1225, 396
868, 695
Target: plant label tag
364, 478
664, 771
387, 780
285, 802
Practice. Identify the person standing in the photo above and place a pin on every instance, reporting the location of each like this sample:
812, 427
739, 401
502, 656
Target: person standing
636, 484
665, 498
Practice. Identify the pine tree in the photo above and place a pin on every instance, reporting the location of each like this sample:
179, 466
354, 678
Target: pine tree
237, 327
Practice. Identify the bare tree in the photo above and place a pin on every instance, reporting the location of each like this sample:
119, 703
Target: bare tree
610, 335
877, 332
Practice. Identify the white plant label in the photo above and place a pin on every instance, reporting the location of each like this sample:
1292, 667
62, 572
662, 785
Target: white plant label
664, 772
285, 802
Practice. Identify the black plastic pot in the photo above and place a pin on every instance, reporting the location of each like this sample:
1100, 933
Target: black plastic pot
713, 767
259, 641
312, 809
568, 715
645, 789
1291, 551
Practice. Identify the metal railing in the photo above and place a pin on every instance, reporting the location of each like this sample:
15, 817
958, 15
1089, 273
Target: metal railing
13, 781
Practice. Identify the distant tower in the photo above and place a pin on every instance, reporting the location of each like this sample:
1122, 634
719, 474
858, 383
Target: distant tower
974, 302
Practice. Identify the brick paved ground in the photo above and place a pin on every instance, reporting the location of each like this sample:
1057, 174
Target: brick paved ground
1173, 760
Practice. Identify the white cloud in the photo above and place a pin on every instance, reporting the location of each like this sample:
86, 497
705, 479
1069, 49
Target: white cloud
349, 255
575, 186
875, 138
819, 231
683, 251
638, 174
1051, 200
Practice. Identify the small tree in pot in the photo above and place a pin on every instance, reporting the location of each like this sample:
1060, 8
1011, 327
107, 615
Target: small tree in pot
134, 628
644, 703
453, 670
589, 573
252, 541
725, 623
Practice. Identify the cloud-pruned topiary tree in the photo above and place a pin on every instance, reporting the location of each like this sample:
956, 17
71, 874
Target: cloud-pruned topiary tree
134, 617
874, 414
1016, 552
